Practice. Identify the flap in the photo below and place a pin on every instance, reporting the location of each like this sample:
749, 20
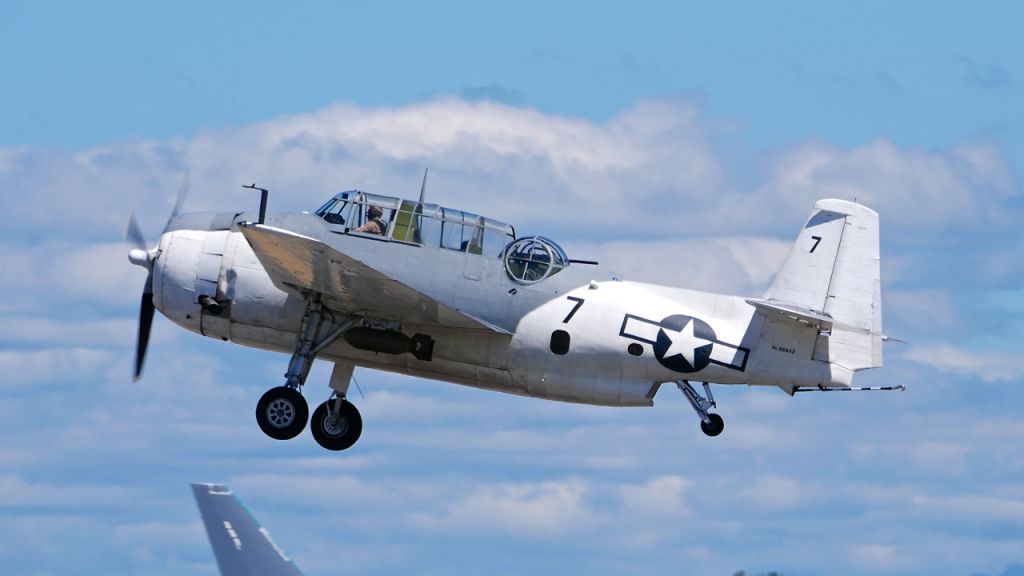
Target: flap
298, 263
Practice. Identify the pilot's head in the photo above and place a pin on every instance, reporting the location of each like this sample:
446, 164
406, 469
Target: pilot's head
374, 212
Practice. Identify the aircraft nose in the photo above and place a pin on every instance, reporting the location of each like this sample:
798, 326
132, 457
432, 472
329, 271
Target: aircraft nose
186, 276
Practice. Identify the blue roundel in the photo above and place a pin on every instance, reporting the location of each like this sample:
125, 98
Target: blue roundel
684, 343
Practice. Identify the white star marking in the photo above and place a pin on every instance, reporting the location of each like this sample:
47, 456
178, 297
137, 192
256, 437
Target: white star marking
684, 343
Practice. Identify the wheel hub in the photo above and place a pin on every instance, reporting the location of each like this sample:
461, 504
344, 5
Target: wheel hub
335, 426
280, 413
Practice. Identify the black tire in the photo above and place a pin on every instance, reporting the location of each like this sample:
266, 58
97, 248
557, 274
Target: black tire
714, 427
342, 436
282, 413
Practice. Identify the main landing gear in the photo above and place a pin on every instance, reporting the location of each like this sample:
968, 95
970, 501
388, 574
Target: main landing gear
710, 423
282, 412
336, 424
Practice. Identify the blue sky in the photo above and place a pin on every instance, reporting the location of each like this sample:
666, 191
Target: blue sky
718, 123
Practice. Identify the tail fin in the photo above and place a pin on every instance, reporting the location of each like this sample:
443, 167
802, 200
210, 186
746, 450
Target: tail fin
241, 545
833, 270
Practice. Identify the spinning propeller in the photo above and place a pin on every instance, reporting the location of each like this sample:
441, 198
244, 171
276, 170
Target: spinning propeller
142, 255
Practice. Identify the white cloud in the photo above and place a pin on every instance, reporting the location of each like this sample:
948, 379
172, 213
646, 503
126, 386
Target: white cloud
1000, 263
662, 496
386, 405
760, 258
330, 463
309, 488
986, 508
771, 403
911, 189
883, 557
771, 492
25, 368
16, 492
55, 275
988, 366
653, 170
525, 509
920, 446
162, 534
484, 155
762, 436
737, 265
45, 331
937, 455
925, 310
646, 188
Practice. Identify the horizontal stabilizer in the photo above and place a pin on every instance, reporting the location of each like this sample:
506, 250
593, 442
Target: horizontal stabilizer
806, 316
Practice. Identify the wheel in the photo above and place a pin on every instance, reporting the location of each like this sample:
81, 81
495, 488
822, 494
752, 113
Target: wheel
282, 412
714, 427
340, 436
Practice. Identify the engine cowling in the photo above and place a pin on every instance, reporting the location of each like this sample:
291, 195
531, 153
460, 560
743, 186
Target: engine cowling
188, 280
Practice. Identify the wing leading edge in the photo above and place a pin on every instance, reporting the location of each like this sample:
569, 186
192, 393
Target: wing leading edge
300, 263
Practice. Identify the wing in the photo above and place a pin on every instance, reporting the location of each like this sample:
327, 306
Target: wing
298, 263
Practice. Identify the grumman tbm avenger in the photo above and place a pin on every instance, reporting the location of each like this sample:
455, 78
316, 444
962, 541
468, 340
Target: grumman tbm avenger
416, 288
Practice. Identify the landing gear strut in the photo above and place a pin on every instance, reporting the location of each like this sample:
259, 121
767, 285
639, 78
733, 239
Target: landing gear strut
710, 423
282, 412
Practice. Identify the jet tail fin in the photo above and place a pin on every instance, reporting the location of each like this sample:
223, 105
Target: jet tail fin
833, 270
241, 545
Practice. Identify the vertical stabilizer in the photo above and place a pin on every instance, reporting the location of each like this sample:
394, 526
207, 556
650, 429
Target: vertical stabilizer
833, 269
241, 545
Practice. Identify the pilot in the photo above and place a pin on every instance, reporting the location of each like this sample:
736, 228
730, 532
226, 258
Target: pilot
374, 225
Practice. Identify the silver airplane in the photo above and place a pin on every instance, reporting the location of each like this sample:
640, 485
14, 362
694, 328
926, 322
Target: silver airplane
415, 288
242, 547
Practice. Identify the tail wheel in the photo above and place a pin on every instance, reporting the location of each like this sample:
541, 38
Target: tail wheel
336, 433
714, 425
282, 413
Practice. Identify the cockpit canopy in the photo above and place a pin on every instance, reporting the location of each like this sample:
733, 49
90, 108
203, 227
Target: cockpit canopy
527, 260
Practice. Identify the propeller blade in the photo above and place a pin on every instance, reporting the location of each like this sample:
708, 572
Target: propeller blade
133, 234
146, 311
180, 202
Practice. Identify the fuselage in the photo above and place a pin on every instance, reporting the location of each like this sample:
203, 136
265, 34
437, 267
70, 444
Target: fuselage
578, 335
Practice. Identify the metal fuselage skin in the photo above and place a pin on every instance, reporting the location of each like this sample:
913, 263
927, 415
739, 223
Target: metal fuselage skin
577, 336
